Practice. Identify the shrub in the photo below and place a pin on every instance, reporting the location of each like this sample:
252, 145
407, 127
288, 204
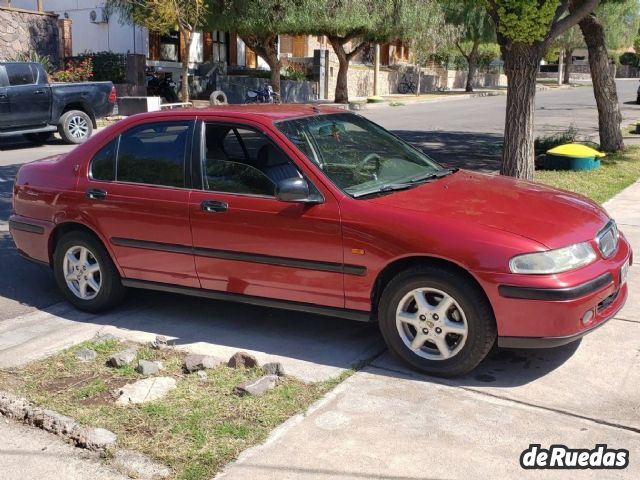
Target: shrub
75, 71
296, 72
629, 58
547, 142
107, 66
33, 56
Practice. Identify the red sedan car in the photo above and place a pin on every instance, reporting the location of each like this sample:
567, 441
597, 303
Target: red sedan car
321, 210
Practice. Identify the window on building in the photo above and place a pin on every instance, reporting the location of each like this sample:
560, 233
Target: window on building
219, 46
154, 154
170, 47
20, 74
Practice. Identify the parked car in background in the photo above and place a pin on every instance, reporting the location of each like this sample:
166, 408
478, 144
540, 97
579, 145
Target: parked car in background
31, 106
323, 211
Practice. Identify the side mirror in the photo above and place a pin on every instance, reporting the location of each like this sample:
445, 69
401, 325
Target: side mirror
296, 190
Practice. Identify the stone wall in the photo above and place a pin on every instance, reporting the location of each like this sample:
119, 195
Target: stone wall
22, 31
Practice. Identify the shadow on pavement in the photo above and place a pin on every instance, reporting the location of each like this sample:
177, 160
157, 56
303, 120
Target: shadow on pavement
503, 368
470, 150
19, 142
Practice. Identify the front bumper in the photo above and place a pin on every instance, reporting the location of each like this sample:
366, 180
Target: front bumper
548, 310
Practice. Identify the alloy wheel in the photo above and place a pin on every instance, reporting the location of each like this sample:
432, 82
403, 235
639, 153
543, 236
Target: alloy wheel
78, 127
82, 272
431, 324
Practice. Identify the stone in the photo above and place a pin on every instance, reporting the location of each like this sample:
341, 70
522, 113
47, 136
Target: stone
145, 367
125, 357
56, 423
12, 406
202, 374
273, 368
97, 439
162, 342
242, 360
258, 386
104, 337
193, 363
137, 465
86, 355
146, 390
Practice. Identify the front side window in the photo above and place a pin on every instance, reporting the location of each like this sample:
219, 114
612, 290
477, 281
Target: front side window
239, 160
20, 74
154, 154
358, 156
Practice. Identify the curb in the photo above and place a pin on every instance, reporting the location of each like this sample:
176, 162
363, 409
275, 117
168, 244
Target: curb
464, 96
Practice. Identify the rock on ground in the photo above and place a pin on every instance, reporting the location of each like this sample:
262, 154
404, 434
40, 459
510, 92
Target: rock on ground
125, 357
258, 386
145, 367
193, 363
242, 360
146, 390
163, 342
274, 368
86, 355
139, 466
96, 439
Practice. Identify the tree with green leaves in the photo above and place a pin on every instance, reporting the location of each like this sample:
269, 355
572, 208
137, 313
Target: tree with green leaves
613, 23
258, 23
476, 28
164, 16
525, 30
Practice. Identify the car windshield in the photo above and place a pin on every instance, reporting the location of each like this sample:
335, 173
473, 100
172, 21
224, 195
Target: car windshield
358, 156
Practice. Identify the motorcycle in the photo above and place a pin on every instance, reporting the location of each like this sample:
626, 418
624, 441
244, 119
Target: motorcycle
163, 87
262, 95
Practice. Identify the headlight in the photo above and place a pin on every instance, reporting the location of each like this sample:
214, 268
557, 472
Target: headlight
553, 261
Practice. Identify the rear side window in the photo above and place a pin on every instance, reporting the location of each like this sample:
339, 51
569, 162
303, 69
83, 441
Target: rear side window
103, 165
154, 154
20, 74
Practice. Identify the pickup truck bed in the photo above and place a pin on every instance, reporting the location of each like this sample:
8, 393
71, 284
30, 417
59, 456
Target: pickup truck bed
30, 105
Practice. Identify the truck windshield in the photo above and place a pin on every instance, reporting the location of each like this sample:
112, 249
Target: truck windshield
357, 155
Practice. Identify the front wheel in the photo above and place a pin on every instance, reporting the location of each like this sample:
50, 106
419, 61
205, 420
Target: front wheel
85, 273
75, 127
437, 320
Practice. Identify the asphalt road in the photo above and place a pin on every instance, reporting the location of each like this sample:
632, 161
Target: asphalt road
461, 132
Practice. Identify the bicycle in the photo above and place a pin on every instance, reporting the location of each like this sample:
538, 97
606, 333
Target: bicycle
407, 85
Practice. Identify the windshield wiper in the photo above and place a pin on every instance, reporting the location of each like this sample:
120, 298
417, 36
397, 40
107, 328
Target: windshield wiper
390, 187
434, 175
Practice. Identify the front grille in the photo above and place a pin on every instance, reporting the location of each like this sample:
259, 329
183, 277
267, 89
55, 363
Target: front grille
607, 239
608, 301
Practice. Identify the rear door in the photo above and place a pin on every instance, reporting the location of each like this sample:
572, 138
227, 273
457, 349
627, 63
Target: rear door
137, 196
29, 96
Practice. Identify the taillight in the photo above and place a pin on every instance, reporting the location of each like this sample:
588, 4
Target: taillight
112, 95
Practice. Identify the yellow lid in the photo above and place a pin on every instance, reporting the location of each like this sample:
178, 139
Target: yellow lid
575, 150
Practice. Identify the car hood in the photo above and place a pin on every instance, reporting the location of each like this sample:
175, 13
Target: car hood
554, 218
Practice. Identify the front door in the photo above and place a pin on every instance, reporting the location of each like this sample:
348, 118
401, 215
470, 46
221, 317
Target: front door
135, 194
29, 96
247, 242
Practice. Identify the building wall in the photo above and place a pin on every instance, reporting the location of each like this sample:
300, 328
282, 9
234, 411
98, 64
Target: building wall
24, 31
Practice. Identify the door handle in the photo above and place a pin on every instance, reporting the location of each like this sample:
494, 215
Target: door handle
96, 194
39, 92
2, 95
212, 206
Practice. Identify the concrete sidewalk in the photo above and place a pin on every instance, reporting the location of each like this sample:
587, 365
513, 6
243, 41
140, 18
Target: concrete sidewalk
389, 422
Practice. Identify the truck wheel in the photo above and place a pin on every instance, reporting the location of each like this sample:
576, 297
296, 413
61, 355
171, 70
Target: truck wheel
437, 320
75, 126
85, 273
38, 138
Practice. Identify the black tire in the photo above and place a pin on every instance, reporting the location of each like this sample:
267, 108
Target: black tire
111, 291
402, 88
38, 138
481, 324
75, 127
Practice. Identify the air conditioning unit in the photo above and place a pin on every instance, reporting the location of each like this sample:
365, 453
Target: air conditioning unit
99, 15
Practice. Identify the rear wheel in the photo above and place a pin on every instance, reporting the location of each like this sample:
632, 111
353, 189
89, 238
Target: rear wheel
85, 273
436, 320
75, 126
38, 138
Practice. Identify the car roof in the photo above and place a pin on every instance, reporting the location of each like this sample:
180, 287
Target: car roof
269, 112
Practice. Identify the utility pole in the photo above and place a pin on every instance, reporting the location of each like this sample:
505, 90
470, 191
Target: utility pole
376, 70
40, 8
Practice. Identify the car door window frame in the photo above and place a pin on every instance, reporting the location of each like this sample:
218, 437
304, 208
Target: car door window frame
34, 75
199, 163
188, 155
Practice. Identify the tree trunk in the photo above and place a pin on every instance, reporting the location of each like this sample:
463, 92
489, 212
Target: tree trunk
604, 85
568, 62
521, 67
184, 86
274, 64
342, 90
472, 61
267, 48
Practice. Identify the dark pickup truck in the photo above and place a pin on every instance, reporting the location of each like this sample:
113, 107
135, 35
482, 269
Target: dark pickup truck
31, 106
